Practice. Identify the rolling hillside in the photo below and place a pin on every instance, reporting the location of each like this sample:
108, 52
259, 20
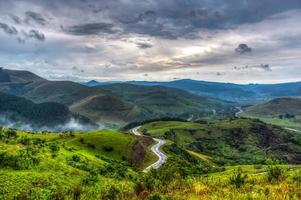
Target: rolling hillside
106, 165
245, 94
18, 112
94, 165
234, 92
281, 111
158, 101
113, 105
228, 142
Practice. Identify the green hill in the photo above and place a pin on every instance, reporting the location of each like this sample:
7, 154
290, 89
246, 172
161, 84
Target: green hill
158, 101
281, 111
239, 141
51, 166
21, 113
115, 105
94, 165
107, 164
106, 109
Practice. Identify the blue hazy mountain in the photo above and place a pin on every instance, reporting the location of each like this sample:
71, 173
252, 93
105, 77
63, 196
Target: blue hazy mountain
227, 91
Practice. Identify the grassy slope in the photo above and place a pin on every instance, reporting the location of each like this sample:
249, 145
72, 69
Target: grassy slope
60, 177
232, 141
158, 101
56, 174
106, 109
270, 112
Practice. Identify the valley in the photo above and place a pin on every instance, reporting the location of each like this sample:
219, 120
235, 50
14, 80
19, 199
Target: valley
144, 141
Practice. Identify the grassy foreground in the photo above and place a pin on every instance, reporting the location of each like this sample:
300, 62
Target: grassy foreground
103, 165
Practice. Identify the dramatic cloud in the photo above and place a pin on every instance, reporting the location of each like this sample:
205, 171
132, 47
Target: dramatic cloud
265, 67
35, 34
35, 17
91, 29
8, 29
243, 48
142, 45
127, 39
15, 19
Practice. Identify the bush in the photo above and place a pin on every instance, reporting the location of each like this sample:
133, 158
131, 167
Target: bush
75, 158
155, 197
275, 173
24, 159
108, 148
91, 145
11, 133
54, 147
90, 179
238, 179
112, 193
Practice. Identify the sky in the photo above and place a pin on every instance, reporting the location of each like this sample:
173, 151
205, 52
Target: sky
240, 41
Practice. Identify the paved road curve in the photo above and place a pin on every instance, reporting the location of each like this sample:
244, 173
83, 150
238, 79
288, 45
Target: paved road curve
156, 149
295, 130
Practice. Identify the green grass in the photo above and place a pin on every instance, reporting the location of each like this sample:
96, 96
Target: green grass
287, 123
238, 141
61, 173
121, 143
70, 167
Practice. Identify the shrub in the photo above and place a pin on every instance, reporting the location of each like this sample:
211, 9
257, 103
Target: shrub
54, 147
155, 197
238, 179
75, 158
11, 133
91, 145
90, 179
108, 148
274, 173
112, 193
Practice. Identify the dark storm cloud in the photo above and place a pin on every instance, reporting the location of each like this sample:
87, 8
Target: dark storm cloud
91, 29
10, 30
242, 49
177, 18
265, 67
16, 19
144, 45
35, 34
169, 19
35, 17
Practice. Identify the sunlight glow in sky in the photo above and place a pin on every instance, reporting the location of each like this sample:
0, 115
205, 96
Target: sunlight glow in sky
240, 41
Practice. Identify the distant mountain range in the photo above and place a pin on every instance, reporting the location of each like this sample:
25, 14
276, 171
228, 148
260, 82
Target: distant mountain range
115, 104
225, 91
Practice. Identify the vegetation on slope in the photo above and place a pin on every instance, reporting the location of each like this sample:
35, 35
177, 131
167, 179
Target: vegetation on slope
99, 165
281, 111
114, 105
228, 142
21, 113
158, 101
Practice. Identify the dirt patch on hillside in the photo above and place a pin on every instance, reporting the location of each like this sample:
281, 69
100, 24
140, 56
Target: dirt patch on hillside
140, 149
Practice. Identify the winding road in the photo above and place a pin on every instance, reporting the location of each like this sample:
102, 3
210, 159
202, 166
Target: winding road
156, 149
294, 130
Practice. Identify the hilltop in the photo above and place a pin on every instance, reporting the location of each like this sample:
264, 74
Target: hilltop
281, 111
228, 142
21, 113
114, 105
241, 93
